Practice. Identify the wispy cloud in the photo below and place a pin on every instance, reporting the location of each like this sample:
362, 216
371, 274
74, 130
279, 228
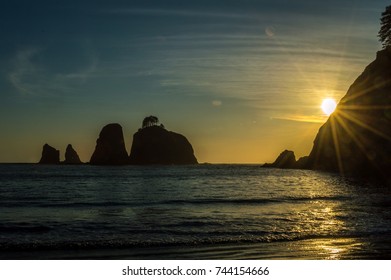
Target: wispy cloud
89, 71
33, 79
176, 12
22, 76
301, 118
217, 103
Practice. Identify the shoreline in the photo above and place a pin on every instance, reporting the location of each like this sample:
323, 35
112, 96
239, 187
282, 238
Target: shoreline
309, 249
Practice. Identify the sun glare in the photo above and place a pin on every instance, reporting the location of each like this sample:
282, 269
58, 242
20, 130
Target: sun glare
328, 106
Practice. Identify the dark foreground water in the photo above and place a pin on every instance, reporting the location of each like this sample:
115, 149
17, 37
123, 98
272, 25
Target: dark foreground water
189, 212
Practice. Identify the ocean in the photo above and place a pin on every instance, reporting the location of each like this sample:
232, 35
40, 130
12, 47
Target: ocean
189, 212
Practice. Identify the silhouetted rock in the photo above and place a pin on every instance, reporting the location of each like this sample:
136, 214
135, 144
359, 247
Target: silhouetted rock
110, 147
302, 163
50, 155
71, 157
286, 159
356, 139
156, 145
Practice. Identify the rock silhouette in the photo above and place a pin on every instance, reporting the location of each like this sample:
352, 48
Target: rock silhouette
71, 156
302, 163
110, 147
156, 145
286, 159
356, 139
50, 155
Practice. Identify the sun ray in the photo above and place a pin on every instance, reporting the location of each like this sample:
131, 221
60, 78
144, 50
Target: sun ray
364, 125
321, 142
351, 96
336, 145
364, 107
354, 137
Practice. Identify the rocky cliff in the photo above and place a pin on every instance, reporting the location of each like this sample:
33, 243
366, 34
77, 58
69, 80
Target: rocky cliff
156, 145
356, 139
110, 147
71, 156
50, 155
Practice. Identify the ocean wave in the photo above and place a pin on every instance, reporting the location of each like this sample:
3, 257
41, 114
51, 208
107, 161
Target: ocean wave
250, 201
208, 201
24, 228
129, 244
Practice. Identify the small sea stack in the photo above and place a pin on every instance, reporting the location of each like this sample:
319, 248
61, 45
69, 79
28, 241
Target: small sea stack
71, 156
49, 155
286, 159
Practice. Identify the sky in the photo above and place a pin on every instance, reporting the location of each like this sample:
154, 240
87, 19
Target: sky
242, 80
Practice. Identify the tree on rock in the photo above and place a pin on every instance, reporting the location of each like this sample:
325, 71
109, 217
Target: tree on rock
385, 28
150, 121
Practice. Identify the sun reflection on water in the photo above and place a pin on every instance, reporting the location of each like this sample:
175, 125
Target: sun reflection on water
324, 219
329, 249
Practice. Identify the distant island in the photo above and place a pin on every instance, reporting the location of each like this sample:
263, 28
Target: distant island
152, 144
356, 139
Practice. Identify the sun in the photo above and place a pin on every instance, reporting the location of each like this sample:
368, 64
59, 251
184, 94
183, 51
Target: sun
328, 106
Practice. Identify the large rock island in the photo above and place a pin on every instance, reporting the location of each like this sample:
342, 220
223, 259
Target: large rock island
356, 139
153, 144
110, 147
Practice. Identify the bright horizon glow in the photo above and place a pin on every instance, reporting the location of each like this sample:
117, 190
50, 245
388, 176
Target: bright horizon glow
328, 106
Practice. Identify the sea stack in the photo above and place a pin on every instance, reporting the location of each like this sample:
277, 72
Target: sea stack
356, 139
110, 147
286, 159
153, 144
50, 155
71, 156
